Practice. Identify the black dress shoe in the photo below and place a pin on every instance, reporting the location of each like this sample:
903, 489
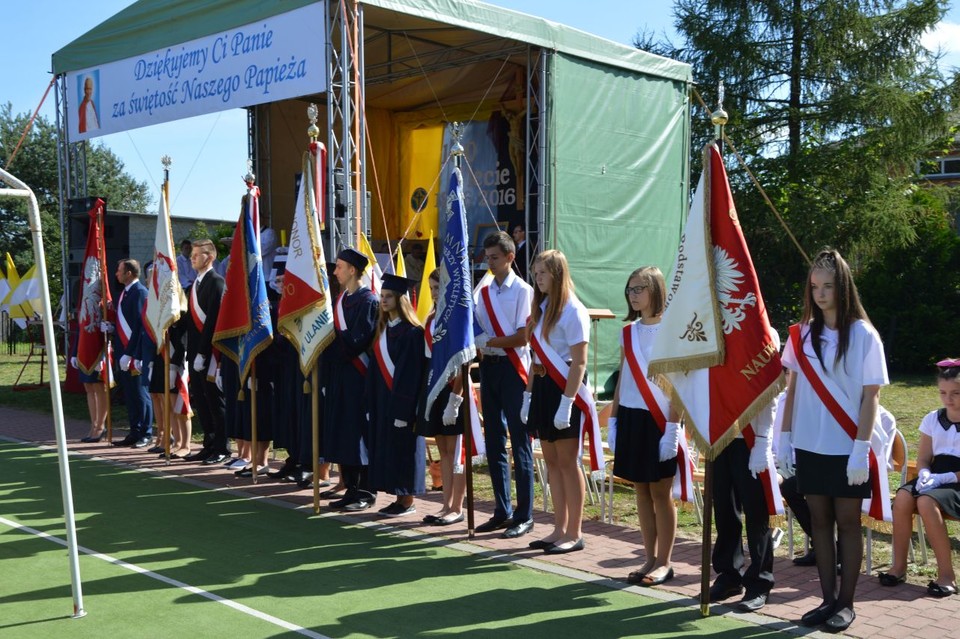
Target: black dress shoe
155, 449
818, 615
288, 467
518, 529
752, 602
129, 440
198, 456
720, 591
809, 559
841, 620
215, 458
357, 506
327, 494
562, 550
343, 502
494, 523
143, 442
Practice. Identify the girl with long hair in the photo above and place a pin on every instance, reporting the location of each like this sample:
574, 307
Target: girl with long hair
829, 413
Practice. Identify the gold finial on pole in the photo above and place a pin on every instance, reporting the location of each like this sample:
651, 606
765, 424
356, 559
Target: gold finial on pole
250, 178
313, 130
166, 162
719, 117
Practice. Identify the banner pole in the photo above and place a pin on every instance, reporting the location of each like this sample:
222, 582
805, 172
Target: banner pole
707, 538
315, 426
101, 250
253, 418
465, 418
166, 396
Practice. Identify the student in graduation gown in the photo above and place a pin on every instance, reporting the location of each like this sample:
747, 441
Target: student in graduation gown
345, 365
397, 450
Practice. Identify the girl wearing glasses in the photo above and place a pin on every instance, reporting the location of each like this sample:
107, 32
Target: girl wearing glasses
936, 490
644, 431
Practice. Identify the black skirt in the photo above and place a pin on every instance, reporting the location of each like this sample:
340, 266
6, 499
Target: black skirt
947, 495
432, 425
543, 408
827, 475
637, 456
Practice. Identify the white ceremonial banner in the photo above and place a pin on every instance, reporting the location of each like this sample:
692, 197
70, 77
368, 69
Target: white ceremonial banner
273, 59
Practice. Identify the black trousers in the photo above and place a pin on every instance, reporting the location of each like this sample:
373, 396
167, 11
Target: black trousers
797, 502
356, 480
738, 502
207, 402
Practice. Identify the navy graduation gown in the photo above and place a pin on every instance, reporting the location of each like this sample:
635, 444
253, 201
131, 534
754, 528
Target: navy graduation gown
397, 455
344, 411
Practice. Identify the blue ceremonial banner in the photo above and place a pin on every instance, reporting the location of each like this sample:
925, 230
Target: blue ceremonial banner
243, 326
453, 328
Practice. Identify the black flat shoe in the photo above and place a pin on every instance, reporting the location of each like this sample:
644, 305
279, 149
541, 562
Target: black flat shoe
841, 620
441, 521
940, 591
560, 550
890, 580
818, 615
430, 520
656, 581
636, 577
539, 544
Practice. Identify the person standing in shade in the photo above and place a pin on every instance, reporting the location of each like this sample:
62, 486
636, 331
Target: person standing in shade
520, 240
203, 307
133, 343
398, 455
185, 271
838, 363
345, 368
560, 335
500, 319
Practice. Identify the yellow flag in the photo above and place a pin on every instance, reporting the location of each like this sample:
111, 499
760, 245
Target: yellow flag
425, 299
401, 268
372, 274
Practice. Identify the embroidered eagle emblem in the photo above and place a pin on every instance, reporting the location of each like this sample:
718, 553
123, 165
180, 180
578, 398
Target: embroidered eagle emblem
729, 277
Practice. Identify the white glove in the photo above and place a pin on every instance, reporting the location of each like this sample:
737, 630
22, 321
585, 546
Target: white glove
936, 479
125, 362
74, 362
106, 327
525, 407
923, 477
760, 455
198, 363
858, 464
561, 421
218, 379
150, 372
250, 382
452, 409
399, 423
481, 340
174, 374
670, 441
612, 434
785, 455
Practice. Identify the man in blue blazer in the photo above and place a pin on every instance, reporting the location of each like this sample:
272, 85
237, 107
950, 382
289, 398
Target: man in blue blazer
130, 341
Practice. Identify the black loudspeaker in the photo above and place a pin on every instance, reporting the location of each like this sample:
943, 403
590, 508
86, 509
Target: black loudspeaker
116, 235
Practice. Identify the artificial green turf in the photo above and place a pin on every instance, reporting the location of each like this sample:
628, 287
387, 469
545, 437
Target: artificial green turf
330, 577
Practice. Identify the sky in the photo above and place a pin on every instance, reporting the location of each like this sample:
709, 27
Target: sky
209, 152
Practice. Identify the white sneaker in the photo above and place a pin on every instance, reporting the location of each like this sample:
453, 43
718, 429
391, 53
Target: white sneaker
238, 464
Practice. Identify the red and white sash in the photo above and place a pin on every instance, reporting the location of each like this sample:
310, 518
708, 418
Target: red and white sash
558, 370
361, 361
196, 313
384, 362
659, 408
181, 403
520, 358
123, 327
768, 478
479, 451
878, 506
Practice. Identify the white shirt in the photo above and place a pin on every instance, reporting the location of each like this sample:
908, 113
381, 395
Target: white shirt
571, 329
945, 442
814, 428
514, 297
185, 271
630, 396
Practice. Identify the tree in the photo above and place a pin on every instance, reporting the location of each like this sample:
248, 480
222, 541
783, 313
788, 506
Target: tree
36, 165
831, 102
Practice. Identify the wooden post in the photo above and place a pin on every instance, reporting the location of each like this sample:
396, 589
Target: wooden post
707, 538
465, 419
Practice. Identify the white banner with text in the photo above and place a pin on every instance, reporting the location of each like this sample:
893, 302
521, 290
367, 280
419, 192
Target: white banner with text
273, 59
